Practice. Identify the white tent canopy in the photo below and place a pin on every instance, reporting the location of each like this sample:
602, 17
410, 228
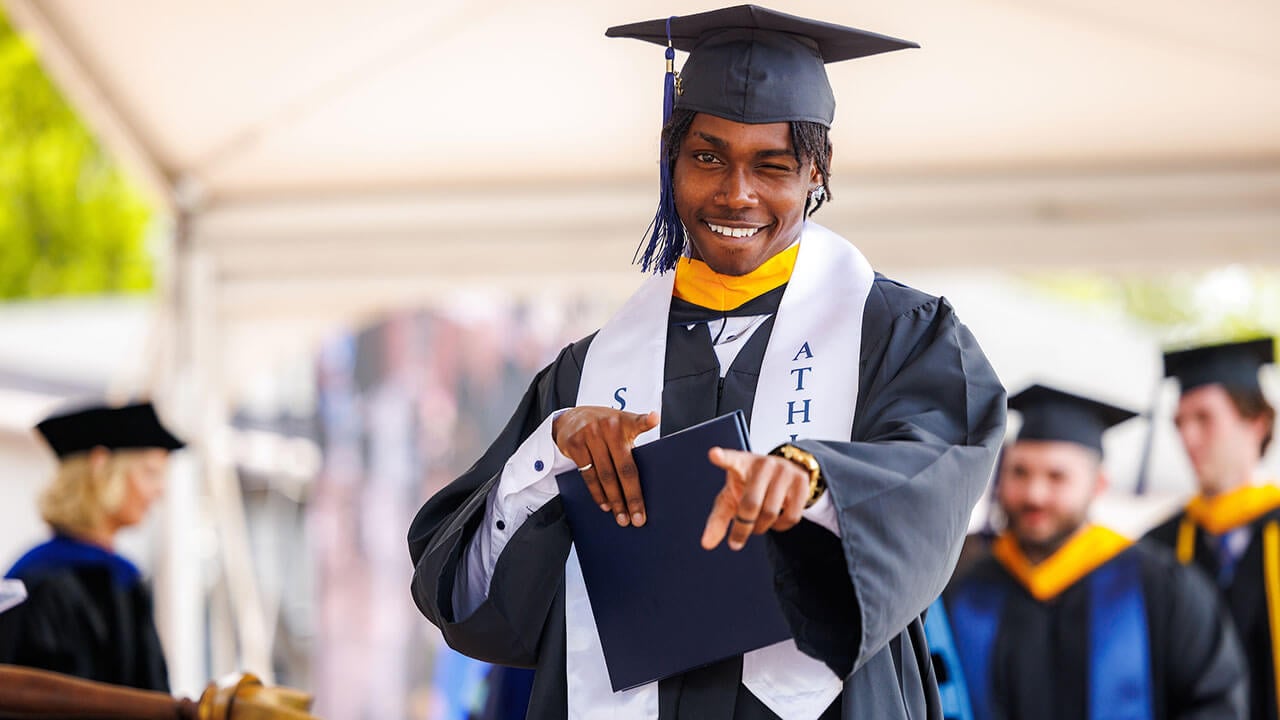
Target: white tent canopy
336, 145
335, 159
288, 98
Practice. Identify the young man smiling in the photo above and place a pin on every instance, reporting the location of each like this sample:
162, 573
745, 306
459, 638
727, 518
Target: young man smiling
883, 415
1069, 620
742, 190
1231, 529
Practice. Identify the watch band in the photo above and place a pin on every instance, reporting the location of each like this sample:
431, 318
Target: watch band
806, 460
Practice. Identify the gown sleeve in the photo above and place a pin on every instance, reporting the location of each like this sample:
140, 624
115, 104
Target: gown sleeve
507, 626
1204, 663
929, 423
53, 630
79, 622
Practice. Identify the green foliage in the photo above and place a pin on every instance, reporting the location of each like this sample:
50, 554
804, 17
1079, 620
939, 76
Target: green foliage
70, 222
1220, 305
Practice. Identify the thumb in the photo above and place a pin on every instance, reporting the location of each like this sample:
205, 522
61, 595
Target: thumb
641, 424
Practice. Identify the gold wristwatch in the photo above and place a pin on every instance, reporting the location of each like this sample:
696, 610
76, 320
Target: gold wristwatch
807, 461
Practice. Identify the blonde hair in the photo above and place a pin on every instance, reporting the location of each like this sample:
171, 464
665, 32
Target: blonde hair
78, 500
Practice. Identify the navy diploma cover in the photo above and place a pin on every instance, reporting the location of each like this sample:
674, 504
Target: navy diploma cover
662, 604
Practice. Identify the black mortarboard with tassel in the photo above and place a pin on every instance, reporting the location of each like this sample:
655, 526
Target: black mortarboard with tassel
747, 64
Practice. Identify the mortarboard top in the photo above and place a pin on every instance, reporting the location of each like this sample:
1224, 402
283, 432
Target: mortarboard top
1234, 364
114, 428
751, 64
1049, 414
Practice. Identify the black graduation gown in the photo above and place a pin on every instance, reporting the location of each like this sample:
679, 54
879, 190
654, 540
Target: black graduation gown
1247, 601
929, 419
1039, 662
85, 620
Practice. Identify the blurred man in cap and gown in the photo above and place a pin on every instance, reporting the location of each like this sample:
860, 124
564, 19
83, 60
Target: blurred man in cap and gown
1070, 620
1231, 528
882, 413
89, 611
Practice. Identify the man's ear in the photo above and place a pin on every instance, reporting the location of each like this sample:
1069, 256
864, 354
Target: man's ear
816, 176
1258, 426
1104, 481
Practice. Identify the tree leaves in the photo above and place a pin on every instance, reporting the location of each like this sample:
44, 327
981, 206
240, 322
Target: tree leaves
70, 222
1200, 307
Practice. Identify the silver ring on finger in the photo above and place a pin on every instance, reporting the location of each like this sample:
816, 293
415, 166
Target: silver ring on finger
586, 467
744, 521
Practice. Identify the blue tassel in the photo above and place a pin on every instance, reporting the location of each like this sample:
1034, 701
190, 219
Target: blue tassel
666, 232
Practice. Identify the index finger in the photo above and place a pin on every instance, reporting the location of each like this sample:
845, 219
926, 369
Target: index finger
729, 460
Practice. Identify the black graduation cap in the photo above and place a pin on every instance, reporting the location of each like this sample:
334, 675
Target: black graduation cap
1234, 364
114, 428
755, 65
748, 64
1049, 414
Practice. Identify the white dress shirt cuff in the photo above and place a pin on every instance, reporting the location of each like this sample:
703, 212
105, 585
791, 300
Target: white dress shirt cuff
527, 483
823, 512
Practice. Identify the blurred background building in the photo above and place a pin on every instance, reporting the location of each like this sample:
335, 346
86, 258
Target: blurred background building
335, 241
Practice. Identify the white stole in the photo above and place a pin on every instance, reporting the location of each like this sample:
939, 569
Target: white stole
808, 389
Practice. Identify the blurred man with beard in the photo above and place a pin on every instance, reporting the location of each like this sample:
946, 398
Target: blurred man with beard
1231, 528
1067, 619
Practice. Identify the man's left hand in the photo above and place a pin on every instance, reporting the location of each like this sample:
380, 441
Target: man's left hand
761, 493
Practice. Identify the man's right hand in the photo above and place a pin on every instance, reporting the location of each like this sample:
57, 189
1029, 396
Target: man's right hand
600, 439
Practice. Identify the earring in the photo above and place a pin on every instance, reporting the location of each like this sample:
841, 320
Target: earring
818, 193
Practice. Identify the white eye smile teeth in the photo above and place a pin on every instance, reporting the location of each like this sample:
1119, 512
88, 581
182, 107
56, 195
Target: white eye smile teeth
733, 232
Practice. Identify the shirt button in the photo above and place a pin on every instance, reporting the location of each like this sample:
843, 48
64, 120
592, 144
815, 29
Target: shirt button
537, 466
502, 525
